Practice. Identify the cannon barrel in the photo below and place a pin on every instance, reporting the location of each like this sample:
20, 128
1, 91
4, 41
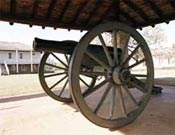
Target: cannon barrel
65, 47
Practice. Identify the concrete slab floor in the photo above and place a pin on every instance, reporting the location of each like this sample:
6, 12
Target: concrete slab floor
45, 116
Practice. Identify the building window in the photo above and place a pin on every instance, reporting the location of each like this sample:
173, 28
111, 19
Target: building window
10, 55
21, 56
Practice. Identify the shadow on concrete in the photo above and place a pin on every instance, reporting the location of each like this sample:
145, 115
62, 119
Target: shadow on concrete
22, 97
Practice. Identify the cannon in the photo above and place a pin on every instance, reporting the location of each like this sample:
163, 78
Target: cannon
65, 49
110, 81
109, 73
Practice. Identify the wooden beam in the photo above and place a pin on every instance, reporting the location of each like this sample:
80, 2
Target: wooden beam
103, 16
128, 17
97, 4
12, 7
152, 22
137, 9
172, 2
40, 22
66, 5
51, 7
79, 10
120, 11
153, 7
35, 8
117, 8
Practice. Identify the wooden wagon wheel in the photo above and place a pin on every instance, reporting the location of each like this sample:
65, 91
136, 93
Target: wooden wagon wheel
53, 76
122, 94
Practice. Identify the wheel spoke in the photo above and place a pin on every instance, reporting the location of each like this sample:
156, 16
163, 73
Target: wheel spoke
103, 98
115, 42
55, 66
97, 87
136, 64
97, 60
130, 56
125, 88
61, 92
138, 84
58, 82
111, 113
121, 101
66, 57
59, 60
56, 74
105, 50
125, 48
123, 92
84, 82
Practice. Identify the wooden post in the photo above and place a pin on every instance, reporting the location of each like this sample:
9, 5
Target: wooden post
17, 65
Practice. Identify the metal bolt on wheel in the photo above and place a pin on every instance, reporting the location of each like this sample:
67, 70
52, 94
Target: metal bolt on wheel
123, 60
53, 76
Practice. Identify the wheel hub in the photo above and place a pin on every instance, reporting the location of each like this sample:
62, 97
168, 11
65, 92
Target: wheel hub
120, 75
116, 75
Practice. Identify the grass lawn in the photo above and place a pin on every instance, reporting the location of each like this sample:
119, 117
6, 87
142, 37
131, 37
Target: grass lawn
29, 83
165, 76
19, 85
165, 81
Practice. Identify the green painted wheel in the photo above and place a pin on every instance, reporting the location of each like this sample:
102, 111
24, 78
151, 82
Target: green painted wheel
123, 60
53, 76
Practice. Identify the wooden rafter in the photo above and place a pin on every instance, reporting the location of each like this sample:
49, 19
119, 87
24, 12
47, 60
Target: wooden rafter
12, 7
91, 14
137, 9
41, 22
79, 10
154, 7
119, 11
35, 8
152, 22
66, 5
103, 16
29, 12
172, 2
117, 8
51, 7
128, 17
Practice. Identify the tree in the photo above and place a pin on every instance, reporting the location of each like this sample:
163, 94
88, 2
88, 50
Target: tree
154, 36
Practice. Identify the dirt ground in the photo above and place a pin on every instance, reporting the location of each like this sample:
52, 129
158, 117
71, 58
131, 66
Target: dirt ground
45, 116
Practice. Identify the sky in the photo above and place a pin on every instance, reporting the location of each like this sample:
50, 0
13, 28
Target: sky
25, 34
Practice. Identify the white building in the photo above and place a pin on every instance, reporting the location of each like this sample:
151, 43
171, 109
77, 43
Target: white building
18, 58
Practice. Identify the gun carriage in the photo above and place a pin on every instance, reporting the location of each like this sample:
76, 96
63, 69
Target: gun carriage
109, 73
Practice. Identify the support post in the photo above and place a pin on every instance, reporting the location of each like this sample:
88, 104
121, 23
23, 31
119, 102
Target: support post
0, 70
17, 62
31, 61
